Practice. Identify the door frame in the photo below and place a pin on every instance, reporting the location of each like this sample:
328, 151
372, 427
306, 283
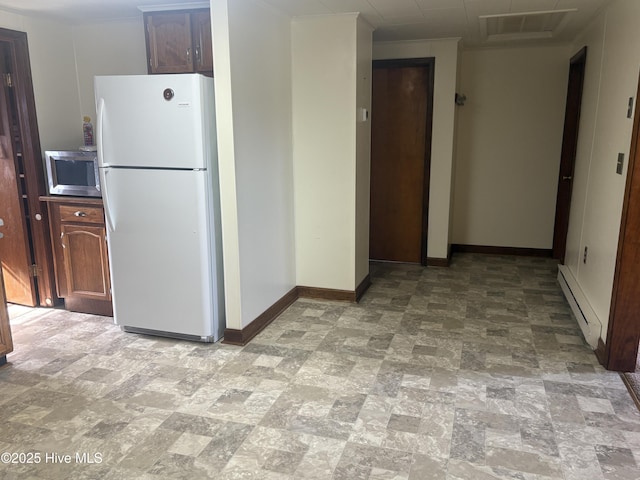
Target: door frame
620, 351
32, 159
577, 66
428, 62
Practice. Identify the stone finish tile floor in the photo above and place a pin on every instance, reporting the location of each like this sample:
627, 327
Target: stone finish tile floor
475, 372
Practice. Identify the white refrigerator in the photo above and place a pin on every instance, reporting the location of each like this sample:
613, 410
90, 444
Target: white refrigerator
157, 157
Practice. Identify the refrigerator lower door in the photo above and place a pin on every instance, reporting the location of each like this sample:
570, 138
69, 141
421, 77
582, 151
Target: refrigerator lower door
160, 247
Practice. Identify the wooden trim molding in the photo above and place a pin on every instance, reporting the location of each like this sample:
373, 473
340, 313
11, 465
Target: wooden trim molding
241, 337
438, 262
336, 295
327, 294
518, 251
363, 287
234, 336
601, 352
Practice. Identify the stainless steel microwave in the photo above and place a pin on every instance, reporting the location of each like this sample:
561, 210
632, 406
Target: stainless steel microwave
72, 172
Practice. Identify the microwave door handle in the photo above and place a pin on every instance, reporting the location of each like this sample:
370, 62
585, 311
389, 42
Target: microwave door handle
103, 173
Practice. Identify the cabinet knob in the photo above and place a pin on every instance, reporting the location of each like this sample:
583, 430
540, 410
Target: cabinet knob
80, 213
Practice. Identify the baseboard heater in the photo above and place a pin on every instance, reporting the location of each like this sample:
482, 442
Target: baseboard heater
586, 317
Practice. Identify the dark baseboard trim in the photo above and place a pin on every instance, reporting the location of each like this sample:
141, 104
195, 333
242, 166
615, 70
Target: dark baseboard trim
242, 337
437, 262
601, 353
524, 252
363, 287
233, 336
353, 296
327, 294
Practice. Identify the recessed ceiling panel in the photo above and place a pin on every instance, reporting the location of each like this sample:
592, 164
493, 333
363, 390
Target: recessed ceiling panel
524, 25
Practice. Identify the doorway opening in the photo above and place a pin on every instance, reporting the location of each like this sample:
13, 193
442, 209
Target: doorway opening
401, 124
577, 66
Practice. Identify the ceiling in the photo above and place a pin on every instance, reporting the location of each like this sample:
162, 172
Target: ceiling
478, 22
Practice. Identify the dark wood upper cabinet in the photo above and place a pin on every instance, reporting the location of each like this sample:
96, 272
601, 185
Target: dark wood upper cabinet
201, 28
179, 41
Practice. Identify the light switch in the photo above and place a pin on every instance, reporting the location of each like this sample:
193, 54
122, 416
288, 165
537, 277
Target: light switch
620, 164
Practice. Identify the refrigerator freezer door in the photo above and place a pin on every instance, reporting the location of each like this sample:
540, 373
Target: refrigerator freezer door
156, 121
161, 252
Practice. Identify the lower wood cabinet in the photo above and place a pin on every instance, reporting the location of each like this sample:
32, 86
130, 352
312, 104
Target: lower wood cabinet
79, 240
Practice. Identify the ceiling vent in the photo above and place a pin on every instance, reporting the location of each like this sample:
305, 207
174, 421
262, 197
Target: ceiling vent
524, 26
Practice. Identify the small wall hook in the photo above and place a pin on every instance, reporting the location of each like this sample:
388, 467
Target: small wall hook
460, 99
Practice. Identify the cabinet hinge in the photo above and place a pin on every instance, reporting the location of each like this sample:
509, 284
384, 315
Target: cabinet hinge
33, 270
8, 82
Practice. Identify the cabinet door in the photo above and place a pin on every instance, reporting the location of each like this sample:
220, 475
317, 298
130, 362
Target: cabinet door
169, 46
201, 27
86, 261
6, 344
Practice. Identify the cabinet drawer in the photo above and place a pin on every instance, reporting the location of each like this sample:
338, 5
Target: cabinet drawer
79, 213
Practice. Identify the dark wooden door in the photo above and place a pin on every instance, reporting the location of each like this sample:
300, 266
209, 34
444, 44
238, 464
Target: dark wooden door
568, 155
28, 158
401, 112
15, 253
6, 343
169, 42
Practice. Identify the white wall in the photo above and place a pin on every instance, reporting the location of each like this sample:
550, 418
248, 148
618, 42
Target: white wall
252, 65
442, 145
107, 48
54, 78
509, 140
613, 41
64, 58
325, 84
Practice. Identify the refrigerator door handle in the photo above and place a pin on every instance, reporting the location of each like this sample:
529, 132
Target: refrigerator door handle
103, 173
99, 129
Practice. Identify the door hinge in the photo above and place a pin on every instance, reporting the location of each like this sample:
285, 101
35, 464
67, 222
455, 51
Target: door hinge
33, 270
8, 82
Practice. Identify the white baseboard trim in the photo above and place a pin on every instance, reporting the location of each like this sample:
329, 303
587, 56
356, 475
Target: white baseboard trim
589, 322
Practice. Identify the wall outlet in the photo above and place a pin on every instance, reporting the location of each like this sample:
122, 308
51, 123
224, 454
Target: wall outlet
584, 257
